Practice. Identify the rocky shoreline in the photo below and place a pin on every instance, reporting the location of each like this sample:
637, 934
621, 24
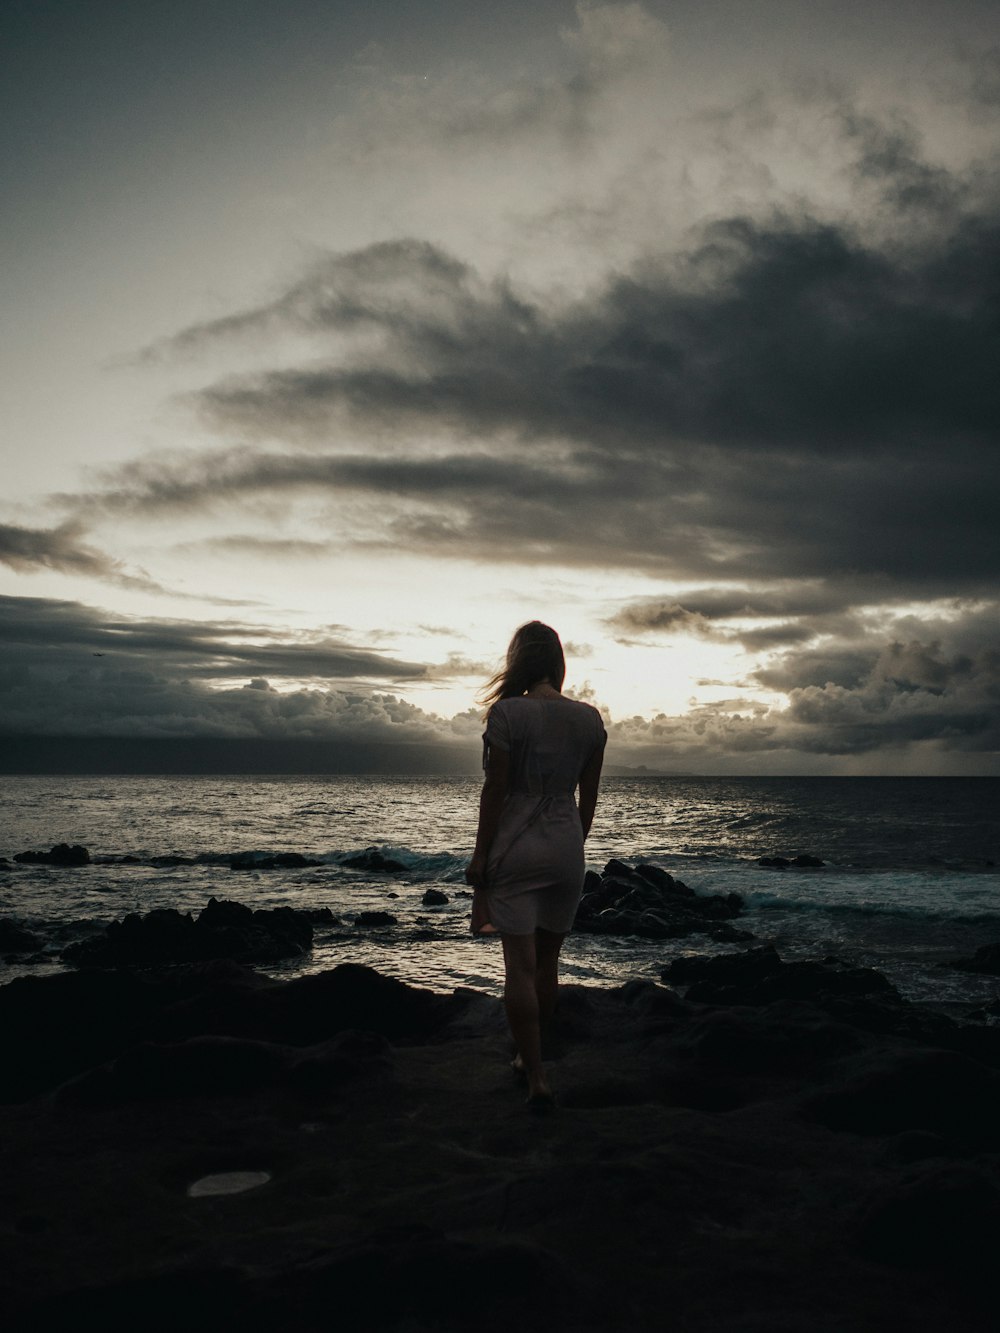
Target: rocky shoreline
749, 1145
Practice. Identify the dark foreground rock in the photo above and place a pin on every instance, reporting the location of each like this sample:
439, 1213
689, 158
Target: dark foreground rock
222, 929
649, 902
781, 1164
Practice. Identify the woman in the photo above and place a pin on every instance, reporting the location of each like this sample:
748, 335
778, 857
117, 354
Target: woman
527, 868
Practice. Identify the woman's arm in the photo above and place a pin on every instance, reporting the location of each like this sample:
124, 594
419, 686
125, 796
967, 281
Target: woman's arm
590, 781
491, 802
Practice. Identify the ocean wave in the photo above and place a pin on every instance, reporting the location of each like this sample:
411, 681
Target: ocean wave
772, 902
382, 856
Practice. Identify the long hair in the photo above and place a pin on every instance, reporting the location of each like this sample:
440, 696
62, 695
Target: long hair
535, 654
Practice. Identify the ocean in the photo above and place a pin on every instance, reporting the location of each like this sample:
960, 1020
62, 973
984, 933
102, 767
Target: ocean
911, 876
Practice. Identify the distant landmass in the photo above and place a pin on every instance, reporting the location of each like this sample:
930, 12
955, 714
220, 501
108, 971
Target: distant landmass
641, 771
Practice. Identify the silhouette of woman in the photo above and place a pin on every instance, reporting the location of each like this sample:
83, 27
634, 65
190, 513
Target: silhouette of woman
527, 868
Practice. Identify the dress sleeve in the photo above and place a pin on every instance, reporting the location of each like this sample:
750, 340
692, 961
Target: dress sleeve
497, 733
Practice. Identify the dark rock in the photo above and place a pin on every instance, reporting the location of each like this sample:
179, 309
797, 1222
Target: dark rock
591, 882
916, 1145
660, 880
223, 929
205, 1065
59, 1027
271, 861
376, 919
60, 855
219, 1065
372, 859
14, 939
310, 1009
649, 903
802, 862
937, 1091
759, 976
726, 934
321, 916
943, 1216
349, 1057
783, 1038
985, 960
434, 898
725, 968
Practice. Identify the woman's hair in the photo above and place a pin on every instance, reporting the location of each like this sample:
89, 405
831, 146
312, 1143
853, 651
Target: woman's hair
535, 654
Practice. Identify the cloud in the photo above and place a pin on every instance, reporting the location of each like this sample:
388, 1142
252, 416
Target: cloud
35, 627
788, 392
69, 669
62, 548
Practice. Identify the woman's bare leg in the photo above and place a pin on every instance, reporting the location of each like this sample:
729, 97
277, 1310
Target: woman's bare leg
520, 999
547, 947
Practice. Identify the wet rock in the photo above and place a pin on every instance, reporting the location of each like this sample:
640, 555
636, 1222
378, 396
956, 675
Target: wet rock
376, 919
434, 898
985, 960
14, 939
803, 862
60, 855
649, 902
372, 859
223, 929
271, 861
759, 976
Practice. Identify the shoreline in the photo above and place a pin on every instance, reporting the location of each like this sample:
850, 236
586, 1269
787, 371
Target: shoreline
798, 1148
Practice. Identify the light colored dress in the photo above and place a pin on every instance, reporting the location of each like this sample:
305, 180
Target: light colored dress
535, 865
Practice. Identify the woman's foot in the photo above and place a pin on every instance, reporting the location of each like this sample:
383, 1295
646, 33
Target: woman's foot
541, 1100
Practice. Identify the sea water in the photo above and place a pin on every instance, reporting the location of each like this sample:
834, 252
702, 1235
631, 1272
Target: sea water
910, 880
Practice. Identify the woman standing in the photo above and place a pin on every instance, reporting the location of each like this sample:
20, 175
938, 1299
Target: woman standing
528, 866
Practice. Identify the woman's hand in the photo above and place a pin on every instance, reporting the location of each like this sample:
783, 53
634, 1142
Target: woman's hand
475, 872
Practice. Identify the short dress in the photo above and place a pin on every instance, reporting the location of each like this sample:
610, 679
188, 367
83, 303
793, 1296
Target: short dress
535, 865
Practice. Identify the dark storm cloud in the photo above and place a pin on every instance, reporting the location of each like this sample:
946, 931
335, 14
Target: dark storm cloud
791, 336
63, 549
891, 157
790, 394
71, 670
32, 626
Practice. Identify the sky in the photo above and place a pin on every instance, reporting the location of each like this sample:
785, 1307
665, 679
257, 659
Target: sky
339, 339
